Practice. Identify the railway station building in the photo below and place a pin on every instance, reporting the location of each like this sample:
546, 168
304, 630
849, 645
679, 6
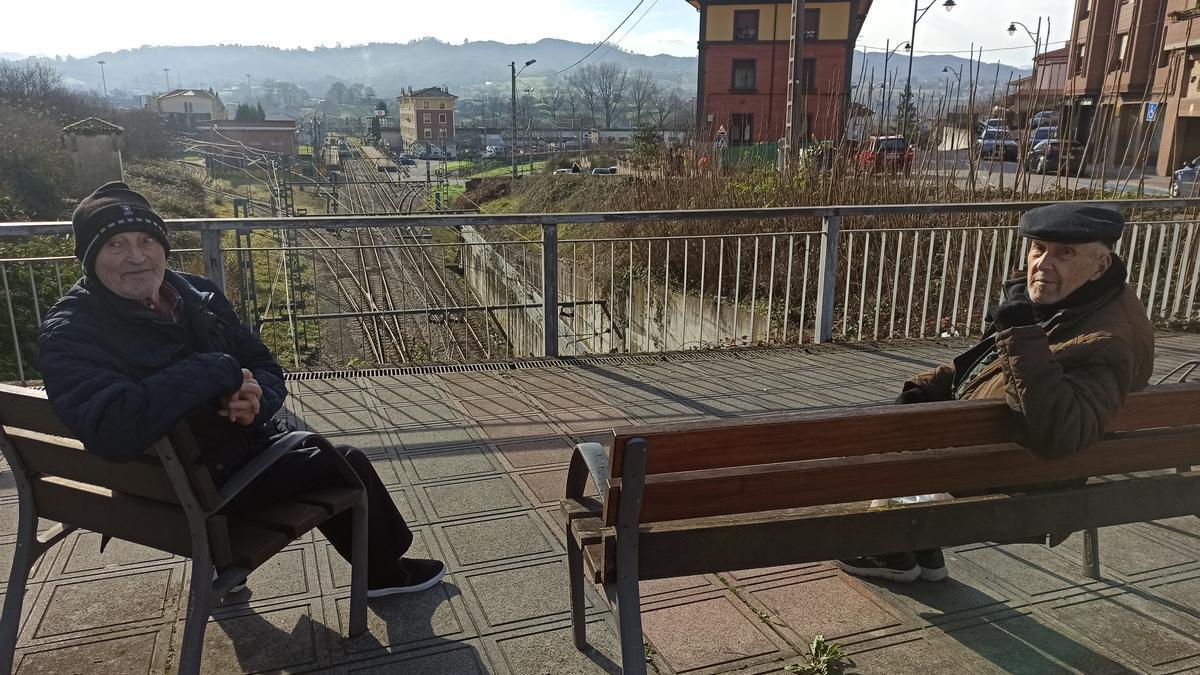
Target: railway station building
426, 120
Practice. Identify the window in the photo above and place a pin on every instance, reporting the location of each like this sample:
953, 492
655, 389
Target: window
442, 134
741, 129
1122, 43
441, 105
812, 23
428, 133
187, 107
428, 118
745, 24
744, 76
808, 75
1080, 55
425, 105
442, 118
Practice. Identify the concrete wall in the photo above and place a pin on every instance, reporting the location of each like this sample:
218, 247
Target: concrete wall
97, 160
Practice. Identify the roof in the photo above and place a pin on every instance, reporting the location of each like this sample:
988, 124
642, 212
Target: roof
429, 92
92, 126
189, 92
250, 125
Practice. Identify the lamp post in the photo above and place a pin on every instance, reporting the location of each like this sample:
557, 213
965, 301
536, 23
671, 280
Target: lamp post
1036, 37
918, 14
513, 149
167, 77
104, 84
249, 89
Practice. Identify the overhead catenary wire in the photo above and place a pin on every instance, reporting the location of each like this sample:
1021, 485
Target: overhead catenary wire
602, 42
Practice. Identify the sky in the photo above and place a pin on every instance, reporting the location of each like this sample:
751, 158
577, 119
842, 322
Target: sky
657, 26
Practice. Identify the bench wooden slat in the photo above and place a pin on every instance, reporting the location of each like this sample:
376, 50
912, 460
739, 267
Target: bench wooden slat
29, 409
253, 545
293, 518
66, 457
711, 492
722, 544
334, 499
850, 432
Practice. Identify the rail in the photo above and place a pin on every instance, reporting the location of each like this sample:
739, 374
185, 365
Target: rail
575, 284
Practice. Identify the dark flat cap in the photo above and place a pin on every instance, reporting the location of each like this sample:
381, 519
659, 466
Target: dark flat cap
1073, 223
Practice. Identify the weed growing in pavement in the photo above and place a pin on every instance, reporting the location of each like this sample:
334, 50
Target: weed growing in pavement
823, 658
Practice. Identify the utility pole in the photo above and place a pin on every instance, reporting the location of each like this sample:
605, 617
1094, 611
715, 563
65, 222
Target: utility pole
513, 138
167, 77
104, 84
249, 89
794, 131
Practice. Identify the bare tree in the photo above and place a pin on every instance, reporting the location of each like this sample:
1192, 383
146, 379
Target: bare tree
642, 91
491, 106
666, 109
552, 100
602, 88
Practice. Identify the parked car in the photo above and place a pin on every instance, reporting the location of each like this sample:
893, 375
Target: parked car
993, 124
605, 170
1045, 118
406, 160
562, 171
1040, 134
1185, 182
1056, 156
885, 153
997, 143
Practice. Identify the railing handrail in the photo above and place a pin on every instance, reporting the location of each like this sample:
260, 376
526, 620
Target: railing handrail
27, 229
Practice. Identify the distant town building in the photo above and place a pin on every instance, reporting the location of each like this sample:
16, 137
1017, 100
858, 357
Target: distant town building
426, 118
237, 144
186, 109
95, 149
743, 67
1044, 87
1179, 76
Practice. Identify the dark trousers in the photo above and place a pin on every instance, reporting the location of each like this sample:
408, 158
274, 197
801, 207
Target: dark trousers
388, 536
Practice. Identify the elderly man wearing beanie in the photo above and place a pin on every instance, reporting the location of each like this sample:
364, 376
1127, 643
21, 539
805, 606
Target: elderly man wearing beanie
1064, 348
134, 348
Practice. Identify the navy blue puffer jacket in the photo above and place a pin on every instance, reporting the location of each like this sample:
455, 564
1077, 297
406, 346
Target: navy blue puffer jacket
119, 376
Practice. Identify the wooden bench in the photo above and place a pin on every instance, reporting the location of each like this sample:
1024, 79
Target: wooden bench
718, 496
165, 500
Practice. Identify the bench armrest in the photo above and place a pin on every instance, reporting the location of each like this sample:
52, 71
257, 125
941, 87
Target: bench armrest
589, 459
264, 460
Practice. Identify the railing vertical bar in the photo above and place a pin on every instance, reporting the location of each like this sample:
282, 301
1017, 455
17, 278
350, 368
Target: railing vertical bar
770, 289
928, 281
1007, 268
1172, 259
720, 284
683, 324
1195, 280
787, 289
942, 286
987, 290
958, 274
1162, 238
58, 278
804, 288
846, 291
1183, 268
612, 296
831, 230
700, 309
594, 328
574, 341
737, 292
1129, 254
12, 324
862, 284
974, 281
912, 279
37, 306
879, 281
754, 292
550, 289
662, 335
629, 301
896, 284
649, 292
1149, 234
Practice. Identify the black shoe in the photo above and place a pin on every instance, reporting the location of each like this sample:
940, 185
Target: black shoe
409, 575
900, 567
932, 563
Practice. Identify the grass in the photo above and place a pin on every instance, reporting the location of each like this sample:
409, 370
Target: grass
824, 658
507, 170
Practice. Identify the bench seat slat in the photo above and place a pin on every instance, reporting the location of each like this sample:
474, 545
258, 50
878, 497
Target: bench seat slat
334, 499
292, 518
66, 457
698, 494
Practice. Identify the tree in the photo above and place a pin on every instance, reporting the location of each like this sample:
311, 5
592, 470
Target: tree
249, 113
642, 90
646, 145
906, 114
337, 93
666, 109
552, 100
602, 87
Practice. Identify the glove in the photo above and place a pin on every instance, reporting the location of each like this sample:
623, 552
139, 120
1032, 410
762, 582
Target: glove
912, 395
1013, 314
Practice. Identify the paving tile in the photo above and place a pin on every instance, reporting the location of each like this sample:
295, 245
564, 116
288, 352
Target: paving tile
546, 379
342, 421
84, 604
496, 407
84, 554
1185, 592
552, 652
263, 640
707, 633
498, 539
1032, 568
594, 419
831, 606
371, 443
515, 427
8, 519
548, 486
289, 573
1136, 626
406, 621
348, 398
453, 463
911, 656
392, 391
537, 452
464, 660
937, 602
656, 589
431, 413
428, 438
126, 654
565, 399
533, 591
461, 387
1023, 645
340, 571
1129, 553
470, 497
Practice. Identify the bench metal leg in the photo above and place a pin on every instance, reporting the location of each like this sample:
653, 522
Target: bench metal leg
629, 609
201, 599
358, 570
27, 552
1091, 553
575, 571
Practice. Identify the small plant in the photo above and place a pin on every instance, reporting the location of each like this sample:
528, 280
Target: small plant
823, 658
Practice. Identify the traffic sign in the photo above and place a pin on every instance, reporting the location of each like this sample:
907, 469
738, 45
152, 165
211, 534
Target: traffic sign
1151, 111
721, 131
722, 137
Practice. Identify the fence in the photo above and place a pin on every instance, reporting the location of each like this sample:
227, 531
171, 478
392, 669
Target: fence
443, 288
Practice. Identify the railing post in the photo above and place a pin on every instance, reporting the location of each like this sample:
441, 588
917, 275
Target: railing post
214, 257
550, 288
831, 227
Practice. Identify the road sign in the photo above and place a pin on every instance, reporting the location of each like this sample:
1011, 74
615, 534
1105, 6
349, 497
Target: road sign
722, 137
1151, 111
721, 131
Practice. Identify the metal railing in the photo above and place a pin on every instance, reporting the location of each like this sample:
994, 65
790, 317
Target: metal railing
444, 288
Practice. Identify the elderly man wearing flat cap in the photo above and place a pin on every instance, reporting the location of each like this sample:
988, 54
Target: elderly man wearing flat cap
134, 348
1064, 348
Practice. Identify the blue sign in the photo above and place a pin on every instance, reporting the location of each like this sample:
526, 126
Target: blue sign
1151, 111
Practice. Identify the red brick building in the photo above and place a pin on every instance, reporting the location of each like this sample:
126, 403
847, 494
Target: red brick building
743, 67
426, 119
1179, 78
236, 143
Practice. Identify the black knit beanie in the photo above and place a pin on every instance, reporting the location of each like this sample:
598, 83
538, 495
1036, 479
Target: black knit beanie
112, 209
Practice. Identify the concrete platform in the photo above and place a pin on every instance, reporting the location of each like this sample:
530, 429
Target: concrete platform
477, 460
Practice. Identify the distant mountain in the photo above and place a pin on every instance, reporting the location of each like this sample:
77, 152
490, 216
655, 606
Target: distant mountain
928, 74
386, 67
10, 56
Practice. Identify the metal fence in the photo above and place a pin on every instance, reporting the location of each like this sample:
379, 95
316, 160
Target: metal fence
356, 291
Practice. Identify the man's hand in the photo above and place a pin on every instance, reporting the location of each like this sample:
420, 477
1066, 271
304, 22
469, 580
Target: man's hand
242, 406
1013, 314
913, 395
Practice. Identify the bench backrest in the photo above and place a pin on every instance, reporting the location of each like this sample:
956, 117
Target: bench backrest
133, 500
845, 455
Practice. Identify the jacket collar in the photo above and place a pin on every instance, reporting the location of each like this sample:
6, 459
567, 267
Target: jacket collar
192, 298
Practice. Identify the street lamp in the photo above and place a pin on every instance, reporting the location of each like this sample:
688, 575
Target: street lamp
948, 69
167, 76
918, 14
104, 83
513, 149
1036, 37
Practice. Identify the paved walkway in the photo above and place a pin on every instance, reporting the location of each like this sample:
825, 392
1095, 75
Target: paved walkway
477, 459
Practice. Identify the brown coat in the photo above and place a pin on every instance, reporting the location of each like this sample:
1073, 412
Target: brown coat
1065, 384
